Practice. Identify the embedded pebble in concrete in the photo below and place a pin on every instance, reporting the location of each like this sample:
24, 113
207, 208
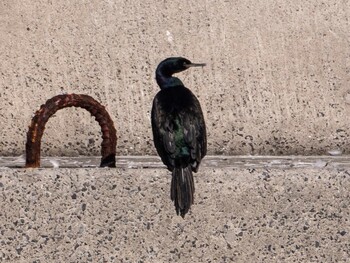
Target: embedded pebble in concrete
125, 215
347, 97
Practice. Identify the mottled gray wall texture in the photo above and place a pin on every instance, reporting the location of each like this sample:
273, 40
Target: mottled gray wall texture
277, 79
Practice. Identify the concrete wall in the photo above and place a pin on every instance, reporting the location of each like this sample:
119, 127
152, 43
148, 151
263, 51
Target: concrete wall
277, 83
118, 215
277, 80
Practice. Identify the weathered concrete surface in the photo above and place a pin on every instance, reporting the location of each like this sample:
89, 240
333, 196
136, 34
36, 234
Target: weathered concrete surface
277, 80
125, 215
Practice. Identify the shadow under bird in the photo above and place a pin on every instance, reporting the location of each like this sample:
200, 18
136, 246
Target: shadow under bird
179, 131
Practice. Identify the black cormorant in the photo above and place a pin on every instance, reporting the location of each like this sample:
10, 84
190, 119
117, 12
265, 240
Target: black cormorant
179, 131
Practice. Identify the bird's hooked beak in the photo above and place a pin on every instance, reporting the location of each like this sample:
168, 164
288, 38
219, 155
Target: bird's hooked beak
195, 65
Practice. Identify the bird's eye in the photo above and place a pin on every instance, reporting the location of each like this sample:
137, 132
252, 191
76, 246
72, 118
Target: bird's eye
184, 64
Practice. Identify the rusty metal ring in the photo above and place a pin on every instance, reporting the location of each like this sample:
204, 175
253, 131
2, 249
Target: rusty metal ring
37, 127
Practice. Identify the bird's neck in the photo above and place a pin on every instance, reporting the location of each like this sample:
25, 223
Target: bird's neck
166, 80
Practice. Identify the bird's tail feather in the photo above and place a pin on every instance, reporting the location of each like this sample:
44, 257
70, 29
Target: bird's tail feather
182, 189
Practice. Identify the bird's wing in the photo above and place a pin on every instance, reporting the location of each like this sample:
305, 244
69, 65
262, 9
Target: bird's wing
195, 132
163, 134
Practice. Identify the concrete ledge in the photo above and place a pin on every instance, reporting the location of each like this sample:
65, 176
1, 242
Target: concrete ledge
125, 215
218, 161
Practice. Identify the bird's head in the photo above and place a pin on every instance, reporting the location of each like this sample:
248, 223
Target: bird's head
174, 65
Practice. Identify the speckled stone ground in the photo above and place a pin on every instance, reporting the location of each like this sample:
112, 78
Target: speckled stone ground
125, 215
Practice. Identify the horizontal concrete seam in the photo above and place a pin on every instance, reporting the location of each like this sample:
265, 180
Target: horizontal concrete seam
282, 162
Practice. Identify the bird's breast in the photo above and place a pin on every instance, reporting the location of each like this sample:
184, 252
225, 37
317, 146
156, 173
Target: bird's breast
175, 99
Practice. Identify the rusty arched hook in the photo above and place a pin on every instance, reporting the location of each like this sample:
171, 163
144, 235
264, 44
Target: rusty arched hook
37, 127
